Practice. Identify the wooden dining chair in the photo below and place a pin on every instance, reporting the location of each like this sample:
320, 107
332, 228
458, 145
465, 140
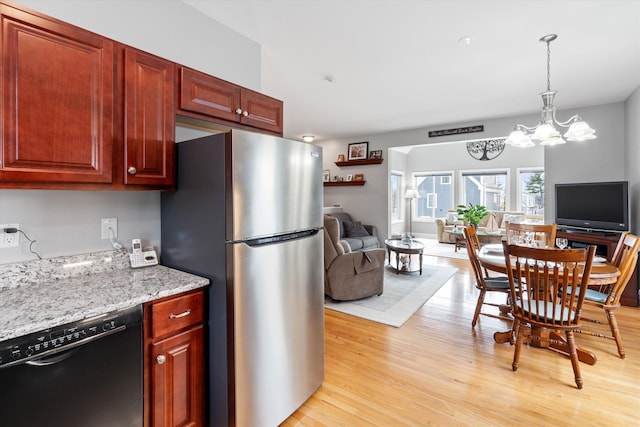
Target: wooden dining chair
607, 297
540, 305
522, 234
484, 283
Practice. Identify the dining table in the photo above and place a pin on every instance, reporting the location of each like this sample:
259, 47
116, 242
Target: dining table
603, 273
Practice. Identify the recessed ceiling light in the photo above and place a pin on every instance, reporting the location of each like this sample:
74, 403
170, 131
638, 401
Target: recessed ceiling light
466, 40
308, 138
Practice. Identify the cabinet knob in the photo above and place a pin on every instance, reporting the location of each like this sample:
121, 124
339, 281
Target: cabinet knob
238, 111
132, 170
161, 359
245, 113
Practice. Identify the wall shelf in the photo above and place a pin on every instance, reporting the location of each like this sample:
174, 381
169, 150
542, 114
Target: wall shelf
342, 183
360, 162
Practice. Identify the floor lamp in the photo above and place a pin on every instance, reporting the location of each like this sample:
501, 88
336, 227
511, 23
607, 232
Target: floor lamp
410, 194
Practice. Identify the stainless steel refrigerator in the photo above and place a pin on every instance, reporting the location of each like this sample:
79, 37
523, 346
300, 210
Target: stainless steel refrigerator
247, 214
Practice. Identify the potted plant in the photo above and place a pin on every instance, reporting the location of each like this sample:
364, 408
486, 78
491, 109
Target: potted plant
472, 214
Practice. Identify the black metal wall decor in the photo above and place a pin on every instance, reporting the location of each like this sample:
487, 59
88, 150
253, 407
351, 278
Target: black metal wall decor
485, 149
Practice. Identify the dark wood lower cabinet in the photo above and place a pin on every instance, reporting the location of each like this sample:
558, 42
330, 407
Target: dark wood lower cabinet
174, 361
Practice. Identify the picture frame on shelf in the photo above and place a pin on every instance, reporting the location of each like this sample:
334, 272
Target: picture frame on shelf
340, 158
349, 178
358, 151
358, 177
375, 154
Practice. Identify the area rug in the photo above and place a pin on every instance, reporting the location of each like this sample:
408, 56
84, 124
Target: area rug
435, 248
403, 295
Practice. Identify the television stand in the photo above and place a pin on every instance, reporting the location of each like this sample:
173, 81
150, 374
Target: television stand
605, 243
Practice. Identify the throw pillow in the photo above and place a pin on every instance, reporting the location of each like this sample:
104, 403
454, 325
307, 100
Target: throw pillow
355, 229
452, 218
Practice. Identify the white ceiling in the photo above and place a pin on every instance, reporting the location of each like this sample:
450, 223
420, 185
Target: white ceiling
399, 65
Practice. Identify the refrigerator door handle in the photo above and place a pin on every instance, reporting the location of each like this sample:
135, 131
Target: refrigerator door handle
279, 238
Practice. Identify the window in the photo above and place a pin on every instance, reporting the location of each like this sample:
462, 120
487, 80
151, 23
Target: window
435, 194
396, 184
485, 188
531, 191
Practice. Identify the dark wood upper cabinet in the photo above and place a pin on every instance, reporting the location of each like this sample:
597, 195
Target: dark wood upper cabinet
81, 111
57, 90
149, 111
204, 94
261, 111
210, 97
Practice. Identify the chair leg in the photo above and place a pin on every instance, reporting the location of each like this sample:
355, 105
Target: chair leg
613, 324
478, 308
573, 354
517, 331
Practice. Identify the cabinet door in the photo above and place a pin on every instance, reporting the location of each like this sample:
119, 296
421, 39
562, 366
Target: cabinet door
204, 94
149, 144
177, 380
261, 111
57, 96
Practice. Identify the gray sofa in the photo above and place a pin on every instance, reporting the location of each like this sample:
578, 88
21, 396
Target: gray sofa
444, 226
359, 236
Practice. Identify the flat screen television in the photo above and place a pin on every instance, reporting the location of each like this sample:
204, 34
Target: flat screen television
593, 206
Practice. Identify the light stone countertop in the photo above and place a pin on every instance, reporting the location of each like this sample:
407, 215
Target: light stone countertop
41, 294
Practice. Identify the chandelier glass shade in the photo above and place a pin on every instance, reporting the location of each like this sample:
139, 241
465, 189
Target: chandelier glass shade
545, 132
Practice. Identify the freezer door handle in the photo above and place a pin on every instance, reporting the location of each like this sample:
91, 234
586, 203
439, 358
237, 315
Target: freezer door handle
259, 241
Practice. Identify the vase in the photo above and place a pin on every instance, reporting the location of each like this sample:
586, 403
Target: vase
406, 239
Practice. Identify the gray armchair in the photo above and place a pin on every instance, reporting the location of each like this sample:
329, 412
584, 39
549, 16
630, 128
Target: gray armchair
350, 275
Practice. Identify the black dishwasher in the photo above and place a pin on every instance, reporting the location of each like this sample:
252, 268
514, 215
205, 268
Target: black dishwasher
87, 373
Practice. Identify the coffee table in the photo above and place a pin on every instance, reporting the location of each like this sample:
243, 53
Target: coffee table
483, 236
397, 246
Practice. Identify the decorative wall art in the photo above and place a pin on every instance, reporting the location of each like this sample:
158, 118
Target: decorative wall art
485, 149
358, 151
375, 154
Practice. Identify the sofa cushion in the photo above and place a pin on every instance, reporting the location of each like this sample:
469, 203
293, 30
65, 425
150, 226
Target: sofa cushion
355, 229
514, 219
355, 243
342, 217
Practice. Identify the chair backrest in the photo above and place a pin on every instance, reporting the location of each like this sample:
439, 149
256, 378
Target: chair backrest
332, 247
473, 246
522, 234
625, 258
552, 284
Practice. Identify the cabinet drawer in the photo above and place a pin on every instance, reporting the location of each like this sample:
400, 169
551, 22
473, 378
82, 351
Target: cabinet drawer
177, 313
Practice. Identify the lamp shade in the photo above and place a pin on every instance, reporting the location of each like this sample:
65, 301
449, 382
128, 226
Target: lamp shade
518, 138
410, 193
580, 131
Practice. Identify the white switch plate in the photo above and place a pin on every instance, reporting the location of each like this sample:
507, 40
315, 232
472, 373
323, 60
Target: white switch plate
9, 240
109, 223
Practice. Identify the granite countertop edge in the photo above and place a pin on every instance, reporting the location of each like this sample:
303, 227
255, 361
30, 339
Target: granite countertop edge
60, 291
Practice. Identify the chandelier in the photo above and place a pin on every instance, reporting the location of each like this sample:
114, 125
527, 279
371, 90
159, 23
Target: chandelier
545, 131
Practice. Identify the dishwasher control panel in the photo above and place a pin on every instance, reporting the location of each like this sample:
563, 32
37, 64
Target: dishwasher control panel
54, 340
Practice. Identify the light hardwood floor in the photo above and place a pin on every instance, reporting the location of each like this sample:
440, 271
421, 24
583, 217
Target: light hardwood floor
437, 370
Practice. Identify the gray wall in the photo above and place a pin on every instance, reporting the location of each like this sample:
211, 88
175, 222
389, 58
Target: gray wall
602, 159
632, 155
170, 29
68, 222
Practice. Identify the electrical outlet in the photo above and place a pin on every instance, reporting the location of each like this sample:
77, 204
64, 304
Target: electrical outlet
109, 223
9, 240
